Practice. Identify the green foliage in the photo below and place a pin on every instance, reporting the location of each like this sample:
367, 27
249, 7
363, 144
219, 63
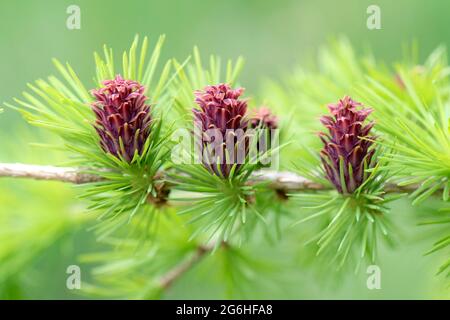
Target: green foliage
193, 75
222, 205
347, 225
411, 113
63, 106
417, 127
149, 271
220, 220
132, 268
36, 217
29, 228
436, 221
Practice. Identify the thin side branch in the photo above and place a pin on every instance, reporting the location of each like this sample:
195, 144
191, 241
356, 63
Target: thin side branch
172, 275
286, 181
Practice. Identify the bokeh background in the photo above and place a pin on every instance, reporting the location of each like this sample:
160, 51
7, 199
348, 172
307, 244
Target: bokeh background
41, 228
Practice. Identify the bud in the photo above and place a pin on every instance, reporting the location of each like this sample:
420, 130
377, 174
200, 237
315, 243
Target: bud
263, 117
346, 145
123, 118
266, 123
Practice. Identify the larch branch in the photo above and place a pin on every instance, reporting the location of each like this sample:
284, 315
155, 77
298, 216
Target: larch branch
51, 173
286, 181
176, 272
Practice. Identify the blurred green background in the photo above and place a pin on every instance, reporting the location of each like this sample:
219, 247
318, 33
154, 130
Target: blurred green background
40, 225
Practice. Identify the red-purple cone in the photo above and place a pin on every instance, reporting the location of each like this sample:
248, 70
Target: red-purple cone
346, 145
220, 110
123, 117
